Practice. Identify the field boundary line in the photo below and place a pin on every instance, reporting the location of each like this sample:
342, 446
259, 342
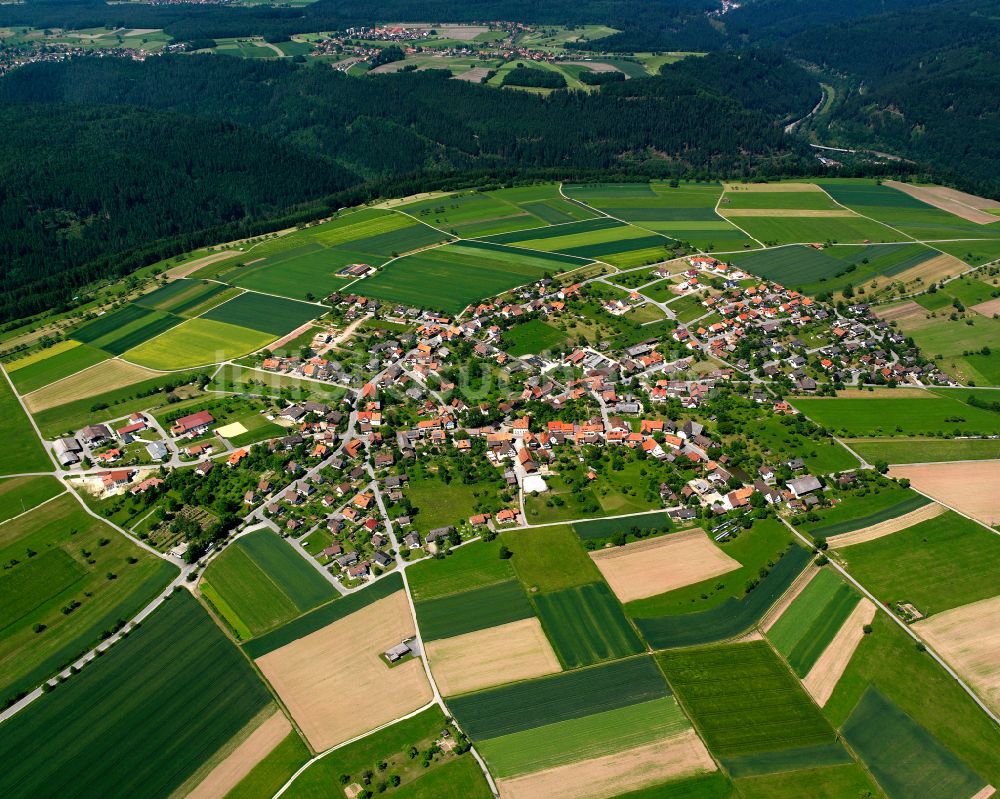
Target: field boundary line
728, 221
36, 507
618, 219
948, 669
872, 219
109, 358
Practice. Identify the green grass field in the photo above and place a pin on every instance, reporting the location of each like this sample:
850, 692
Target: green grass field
322, 616
461, 274
743, 699
531, 338
140, 720
21, 494
61, 555
775, 230
571, 695
905, 759
922, 450
937, 565
600, 529
845, 517
65, 358
906, 416
439, 504
808, 625
585, 625
829, 782
181, 296
472, 610
550, 558
22, 451
267, 777
449, 778
583, 738
264, 313
471, 566
197, 342
731, 617
259, 582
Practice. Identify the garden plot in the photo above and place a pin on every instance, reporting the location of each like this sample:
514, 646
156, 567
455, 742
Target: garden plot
655, 566
968, 637
968, 487
335, 683
509, 652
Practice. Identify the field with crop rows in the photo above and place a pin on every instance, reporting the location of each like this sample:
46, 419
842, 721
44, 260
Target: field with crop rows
65, 358
138, 721
876, 508
475, 565
264, 313
472, 610
198, 342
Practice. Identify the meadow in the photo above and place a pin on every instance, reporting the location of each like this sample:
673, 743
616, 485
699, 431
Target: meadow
476, 609
808, 625
181, 296
452, 276
198, 342
924, 450
123, 727
825, 782
259, 582
265, 778
22, 451
474, 565
46, 366
731, 617
74, 578
21, 494
937, 565
322, 616
532, 337
438, 504
549, 558
583, 738
907, 416
585, 625
571, 695
242, 380
905, 759
743, 700
264, 313
777, 230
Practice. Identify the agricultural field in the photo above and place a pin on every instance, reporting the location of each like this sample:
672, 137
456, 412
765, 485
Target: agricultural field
750, 710
20, 494
809, 624
906, 759
235, 379
966, 487
924, 450
461, 273
91, 382
936, 565
22, 450
181, 296
264, 313
602, 529
198, 342
259, 582
49, 365
121, 330
532, 338
475, 565
272, 771
472, 610
68, 578
447, 775
120, 728
933, 415
586, 625
855, 511
549, 558
600, 239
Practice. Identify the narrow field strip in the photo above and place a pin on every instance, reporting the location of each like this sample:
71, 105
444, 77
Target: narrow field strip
929, 510
831, 665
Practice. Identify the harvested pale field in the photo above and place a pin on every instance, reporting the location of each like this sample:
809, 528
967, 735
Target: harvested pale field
647, 568
969, 488
988, 308
612, 775
97, 379
474, 75
465, 33
885, 393
930, 271
968, 637
898, 313
889, 526
966, 206
801, 212
230, 430
771, 187
831, 665
515, 651
258, 745
593, 66
985, 792
281, 342
788, 597
334, 682
193, 266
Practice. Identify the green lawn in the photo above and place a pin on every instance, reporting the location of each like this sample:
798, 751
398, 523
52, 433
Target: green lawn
20, 494
906, 416
550, 558
937, 565
532, 338
22, 451
140, 720
923, 450
439, 504
61, 556
471, 566
259, 582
